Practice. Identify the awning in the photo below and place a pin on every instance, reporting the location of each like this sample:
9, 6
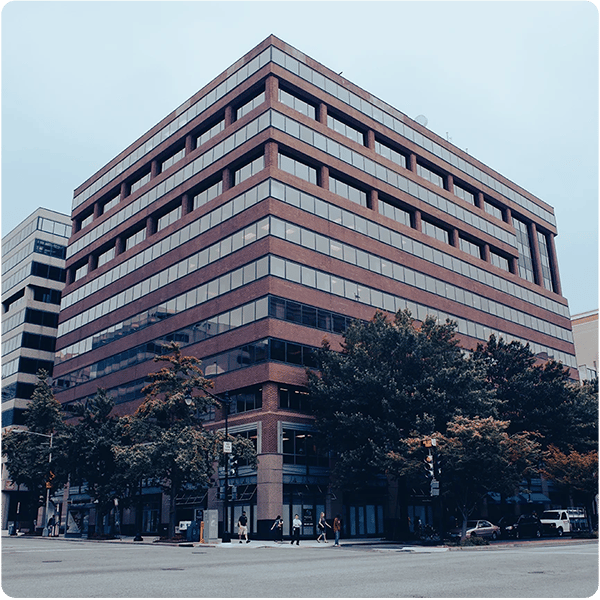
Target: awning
532, 498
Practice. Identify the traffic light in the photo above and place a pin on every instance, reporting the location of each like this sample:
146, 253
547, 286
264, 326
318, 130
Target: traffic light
429, 468
438, 467
233, 466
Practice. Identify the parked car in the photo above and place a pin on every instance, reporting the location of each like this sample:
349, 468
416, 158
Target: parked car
521, 527
479, 528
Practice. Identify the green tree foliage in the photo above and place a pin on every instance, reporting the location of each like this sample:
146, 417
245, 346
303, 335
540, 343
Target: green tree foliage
166, 439
27, 454
391, 380
92, 450
540, 397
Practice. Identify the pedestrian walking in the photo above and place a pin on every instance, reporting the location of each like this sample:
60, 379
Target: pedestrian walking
278, 528
337, 528
322, 526
243, 527
296, 524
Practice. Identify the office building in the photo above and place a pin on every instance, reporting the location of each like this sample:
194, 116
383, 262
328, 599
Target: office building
585, 338
270, 209
33, 276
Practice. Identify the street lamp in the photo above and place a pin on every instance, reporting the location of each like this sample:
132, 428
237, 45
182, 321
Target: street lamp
224, 402
45, 531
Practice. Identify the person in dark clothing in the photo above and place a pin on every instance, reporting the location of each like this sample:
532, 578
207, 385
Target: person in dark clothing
322, 527
243, 527
278, 528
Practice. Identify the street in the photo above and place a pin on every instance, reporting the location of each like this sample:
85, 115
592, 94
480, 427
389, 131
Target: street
58, 568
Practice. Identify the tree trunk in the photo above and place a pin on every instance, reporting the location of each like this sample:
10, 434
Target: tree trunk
465, 517
172, 500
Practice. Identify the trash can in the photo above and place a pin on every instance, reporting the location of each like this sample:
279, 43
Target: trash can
193, 532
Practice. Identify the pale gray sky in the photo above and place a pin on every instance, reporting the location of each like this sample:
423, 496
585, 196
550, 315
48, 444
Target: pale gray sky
514, 83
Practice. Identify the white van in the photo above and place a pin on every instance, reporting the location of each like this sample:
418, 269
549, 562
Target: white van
559, 521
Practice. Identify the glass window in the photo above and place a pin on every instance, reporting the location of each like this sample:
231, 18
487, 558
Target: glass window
251, 105
430, 175
347, 191
345, 129
435, 231
258, 164
470, 247
297, 104
297, 168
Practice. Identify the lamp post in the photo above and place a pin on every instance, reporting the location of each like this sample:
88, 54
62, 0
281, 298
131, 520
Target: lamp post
45, 531
224, 402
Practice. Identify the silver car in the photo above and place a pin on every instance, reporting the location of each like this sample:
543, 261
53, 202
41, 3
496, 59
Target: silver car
480, 528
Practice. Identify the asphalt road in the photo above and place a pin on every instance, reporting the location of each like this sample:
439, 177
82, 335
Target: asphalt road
58, 568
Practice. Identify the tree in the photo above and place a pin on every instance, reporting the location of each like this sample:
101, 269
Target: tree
539, 397
168, 441
575, 472
478, 455
93, 457
28, 454
391, 380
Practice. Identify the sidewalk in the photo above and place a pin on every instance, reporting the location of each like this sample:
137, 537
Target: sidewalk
375, 544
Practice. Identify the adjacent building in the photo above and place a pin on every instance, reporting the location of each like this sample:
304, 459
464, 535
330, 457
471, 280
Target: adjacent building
33, 276
585, 337
265, 213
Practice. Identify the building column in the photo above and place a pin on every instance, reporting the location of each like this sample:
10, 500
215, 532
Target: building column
187, 204
535, 255
119, 245
227, 179
479, 200
189, 143
124, 190
324, 177
486, 253
97, 210
554, 264
417, 220
454, 238
150, 226
271, 90
508, 215
373, 200
513, 265
449, 183
271, 154
92, 263
269, 480
229, 116
154, 168
371, 139
322, 118
412, 162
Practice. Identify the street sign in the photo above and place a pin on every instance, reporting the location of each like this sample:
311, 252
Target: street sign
227, 447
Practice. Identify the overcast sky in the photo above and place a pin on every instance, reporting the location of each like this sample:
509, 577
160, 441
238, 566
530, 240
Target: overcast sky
513, 83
